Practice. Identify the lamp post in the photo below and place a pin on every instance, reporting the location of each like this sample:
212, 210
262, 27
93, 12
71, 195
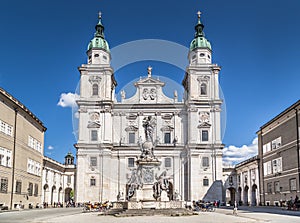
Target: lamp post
280, 188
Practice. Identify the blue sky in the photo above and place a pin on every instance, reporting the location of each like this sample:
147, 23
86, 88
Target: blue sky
255, 42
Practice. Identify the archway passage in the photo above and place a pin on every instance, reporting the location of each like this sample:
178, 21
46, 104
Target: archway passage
46, 193
246, 189
253, 195
52, 194
239, 199
68, 194
231, 191
60, 194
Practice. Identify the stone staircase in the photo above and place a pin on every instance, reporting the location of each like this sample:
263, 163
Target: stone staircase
215, 192
149, 212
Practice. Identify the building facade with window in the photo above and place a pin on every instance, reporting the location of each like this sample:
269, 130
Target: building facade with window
21, 153
279, 164
186, 133
58, 181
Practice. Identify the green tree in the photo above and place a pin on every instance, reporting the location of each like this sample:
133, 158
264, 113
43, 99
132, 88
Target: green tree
72, 194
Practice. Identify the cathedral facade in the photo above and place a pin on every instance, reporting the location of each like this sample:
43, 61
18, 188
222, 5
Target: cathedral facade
184, 136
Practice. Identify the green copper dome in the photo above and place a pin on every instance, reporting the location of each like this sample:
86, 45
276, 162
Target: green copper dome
99, 41
199, 41
69, 155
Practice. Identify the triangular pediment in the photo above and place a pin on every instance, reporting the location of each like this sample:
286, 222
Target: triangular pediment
167, 128
149, 90
204, 125
167, 116
131, 116
149, 81
94, 125
131, 128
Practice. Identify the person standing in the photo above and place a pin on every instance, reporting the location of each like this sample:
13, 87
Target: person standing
296, 199
235, 207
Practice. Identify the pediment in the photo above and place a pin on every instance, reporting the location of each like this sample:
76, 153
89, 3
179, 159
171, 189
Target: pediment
203, 78
131, 128
94, 125
131, 116
204, 125
95, 79
167, 116
149, 91
149, 81
167, 128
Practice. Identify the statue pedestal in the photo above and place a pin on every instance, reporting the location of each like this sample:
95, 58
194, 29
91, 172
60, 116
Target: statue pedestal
164, 196
148, 169
150, 181
138, 195
148, 193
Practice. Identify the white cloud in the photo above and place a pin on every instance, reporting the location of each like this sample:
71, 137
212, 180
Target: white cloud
233, 155
68, 100
50, 147
76, 115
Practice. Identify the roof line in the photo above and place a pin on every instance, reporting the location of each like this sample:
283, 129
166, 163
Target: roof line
280, 115
247, 161
22, 106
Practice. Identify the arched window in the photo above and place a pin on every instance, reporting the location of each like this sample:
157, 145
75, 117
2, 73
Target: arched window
203, 89
95, 89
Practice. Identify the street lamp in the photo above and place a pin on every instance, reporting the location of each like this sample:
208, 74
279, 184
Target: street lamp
280, 188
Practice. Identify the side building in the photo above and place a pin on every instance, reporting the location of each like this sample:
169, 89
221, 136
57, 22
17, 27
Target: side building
247, 173
58, 181
278, 143
241, 182
21, 154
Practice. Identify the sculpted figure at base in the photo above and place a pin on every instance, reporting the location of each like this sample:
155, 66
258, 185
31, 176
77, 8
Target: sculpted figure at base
134, 183
162, 184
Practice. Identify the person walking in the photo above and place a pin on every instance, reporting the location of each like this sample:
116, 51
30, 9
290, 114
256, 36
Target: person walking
235, 207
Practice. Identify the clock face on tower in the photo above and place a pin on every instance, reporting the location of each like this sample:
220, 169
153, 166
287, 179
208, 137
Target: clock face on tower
94, 116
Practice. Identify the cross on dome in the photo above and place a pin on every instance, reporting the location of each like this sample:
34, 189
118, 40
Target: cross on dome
199, 14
